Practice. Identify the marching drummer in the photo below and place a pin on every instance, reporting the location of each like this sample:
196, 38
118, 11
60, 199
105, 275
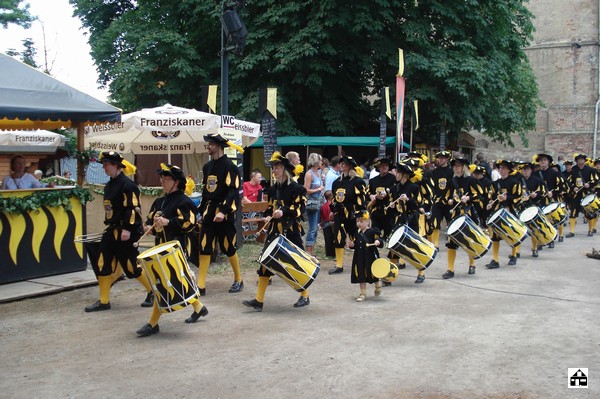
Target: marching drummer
464, 192
365, 252
441, 178
283, 217
406, 206
380, 188
533, 192
220, 199
580, 181
349, 196
123, 222
172, 217
506, 193
555, 186
479, 174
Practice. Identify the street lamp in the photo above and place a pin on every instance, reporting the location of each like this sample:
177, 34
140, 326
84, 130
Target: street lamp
233, 39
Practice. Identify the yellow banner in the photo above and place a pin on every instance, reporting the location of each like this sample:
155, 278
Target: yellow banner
272, 101
400, 62
388, 107
211, 101
416, 107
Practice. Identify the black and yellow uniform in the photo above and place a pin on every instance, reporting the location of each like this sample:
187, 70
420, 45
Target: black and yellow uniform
555, 186
421, 178
380, 186
464, 193
441, 178
122, 217
287, 201
506, 193
484, 186
172, 217
406, 201
580, 182
220, 197
534, 191
349, 196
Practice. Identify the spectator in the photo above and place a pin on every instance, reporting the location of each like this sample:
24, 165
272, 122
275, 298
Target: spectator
333, 173
494, 174
38, 174
253, 188
561, 163
314, 192
19, 179
480, 160
67, 174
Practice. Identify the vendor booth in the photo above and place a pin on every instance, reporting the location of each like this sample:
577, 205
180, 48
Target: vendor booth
38, 227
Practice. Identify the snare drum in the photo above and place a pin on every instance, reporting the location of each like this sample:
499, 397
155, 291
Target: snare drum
555, 213
384, 269
469, 236
538, 225
170, 277
591, 204
508, 227
291, 263
415, 249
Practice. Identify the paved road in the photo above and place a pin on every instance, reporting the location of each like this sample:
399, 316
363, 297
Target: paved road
505, 333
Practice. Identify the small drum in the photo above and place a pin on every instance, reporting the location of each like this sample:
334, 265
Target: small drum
291, 263
538, 225
384, 269
591, 204
469, 236
555, 213
415, 249
508, 227
170, 277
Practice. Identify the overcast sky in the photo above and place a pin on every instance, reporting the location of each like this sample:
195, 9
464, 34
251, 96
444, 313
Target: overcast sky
68, 52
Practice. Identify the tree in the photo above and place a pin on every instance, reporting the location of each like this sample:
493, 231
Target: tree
12, 13
464, 60
27, 55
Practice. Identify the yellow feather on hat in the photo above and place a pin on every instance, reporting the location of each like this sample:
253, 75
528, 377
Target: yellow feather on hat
418, 175
235, 146
298, 169
189, 186
128, 168
359, 171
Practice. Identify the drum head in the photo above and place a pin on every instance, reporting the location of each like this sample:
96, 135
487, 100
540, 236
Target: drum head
550, 208
496, 214
380, 268
158, 249
270, 249
529, 214
456, 224
396, 236
588, 199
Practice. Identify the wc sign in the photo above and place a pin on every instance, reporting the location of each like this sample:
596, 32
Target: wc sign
227, 121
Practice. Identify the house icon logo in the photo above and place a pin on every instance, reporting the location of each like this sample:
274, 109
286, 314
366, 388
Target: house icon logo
578, 378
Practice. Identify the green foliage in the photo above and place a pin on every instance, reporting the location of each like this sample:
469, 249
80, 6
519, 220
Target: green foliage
12, 12
464, 60
47, 198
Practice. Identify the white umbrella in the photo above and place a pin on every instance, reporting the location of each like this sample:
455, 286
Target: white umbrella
167, 129
14, 141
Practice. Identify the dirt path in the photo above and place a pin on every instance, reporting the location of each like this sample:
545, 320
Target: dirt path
506, 333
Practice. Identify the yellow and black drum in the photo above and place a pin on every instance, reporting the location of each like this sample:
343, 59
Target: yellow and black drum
415, 249
171, 279
538, 225
556, 213
291, 263
464, 232
591, 204
384, 270
508, 227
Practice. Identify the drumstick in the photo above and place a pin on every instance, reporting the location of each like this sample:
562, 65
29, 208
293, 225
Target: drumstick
348, 240
137, 243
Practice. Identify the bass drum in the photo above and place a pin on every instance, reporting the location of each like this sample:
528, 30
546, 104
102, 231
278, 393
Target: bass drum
170, 277
415, 249
384, 269
291, 263
507, 227
538, 225
464, 232
591, 204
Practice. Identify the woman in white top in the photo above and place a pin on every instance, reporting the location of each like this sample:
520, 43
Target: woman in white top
313, 183
19, 179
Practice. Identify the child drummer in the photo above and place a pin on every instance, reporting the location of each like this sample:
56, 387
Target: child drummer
365, 253
287, 201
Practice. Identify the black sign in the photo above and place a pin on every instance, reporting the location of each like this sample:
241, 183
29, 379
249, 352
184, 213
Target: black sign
382, 136
269, 134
